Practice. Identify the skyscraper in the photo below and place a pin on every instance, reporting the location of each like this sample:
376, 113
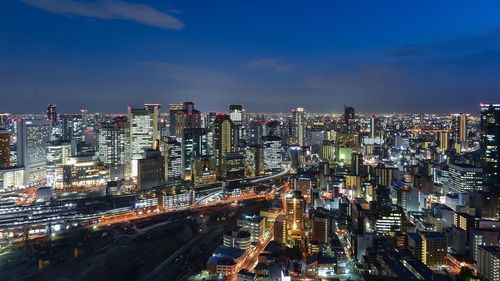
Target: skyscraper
490, 143
459, 130
4, 148
298, 130
52, 114
32, 138
272, 153
294, 208
222, 139
142, 132
113, 146
194, 145
174, 115
186, 117
236, 115
348, 114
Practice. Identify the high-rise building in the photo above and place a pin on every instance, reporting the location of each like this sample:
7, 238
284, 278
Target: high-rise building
255, 133
320, 228
490, 143
52, 114
222, 140
281, 229
186, 118
434, 249
233, 166
459, 127
174, 117
464, 178
151, 170
488, 262
58, 154
443, 140
298, 126
272, 153
113, 145
373, 132
349, 114
143, 132
294, 209
32, 138
194, 145
171, 150
236, 116
4, 148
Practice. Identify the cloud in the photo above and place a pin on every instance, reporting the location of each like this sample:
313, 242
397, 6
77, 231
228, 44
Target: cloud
273, 64
109, 9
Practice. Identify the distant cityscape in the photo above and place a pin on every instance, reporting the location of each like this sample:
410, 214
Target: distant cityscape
172, 193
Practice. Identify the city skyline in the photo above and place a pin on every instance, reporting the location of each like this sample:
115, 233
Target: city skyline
105, 55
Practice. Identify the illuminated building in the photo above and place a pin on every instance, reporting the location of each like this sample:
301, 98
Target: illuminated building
4, 148
459, 127
349, 114
272, 153
32, 138
58, 154
222, 140
298, 129
143, 131
237, 238
186, 117
373, 131
72, 128
254, 161
346, 144
488, 262
174, 118
204, 171
233, 166
11, 178
82, 172
327, 151
281, 229
255, 134
320, 228
113, 145
434, 249
171, 150
408, 198
464, 177
444, 140
294, 209
151, 170
255, 225
390, 219
490, 143
52, 114
236, 116
194, 145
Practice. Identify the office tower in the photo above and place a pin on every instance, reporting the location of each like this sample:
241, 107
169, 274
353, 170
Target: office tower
32, 138
233, 166
256, 225
236, 116
256, 131
58, 153
174, 117
113, 145
349, 114
151, 170
52, 114
459, 127
490, 143
356, 164
443, 141
272, 153
222, 140
155, 109
194, 145
434, 249
408, 198
4, 148
281, 229
143, 132
186, 118
320, 228
327, 151
464, 178
171, 150
488, 262
372, 127
72, 128
298, 126
390, 219
294, 209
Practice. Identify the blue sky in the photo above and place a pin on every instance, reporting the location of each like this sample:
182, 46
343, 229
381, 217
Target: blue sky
378, 56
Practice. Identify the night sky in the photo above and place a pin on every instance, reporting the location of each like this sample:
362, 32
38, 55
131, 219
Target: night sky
378, 56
